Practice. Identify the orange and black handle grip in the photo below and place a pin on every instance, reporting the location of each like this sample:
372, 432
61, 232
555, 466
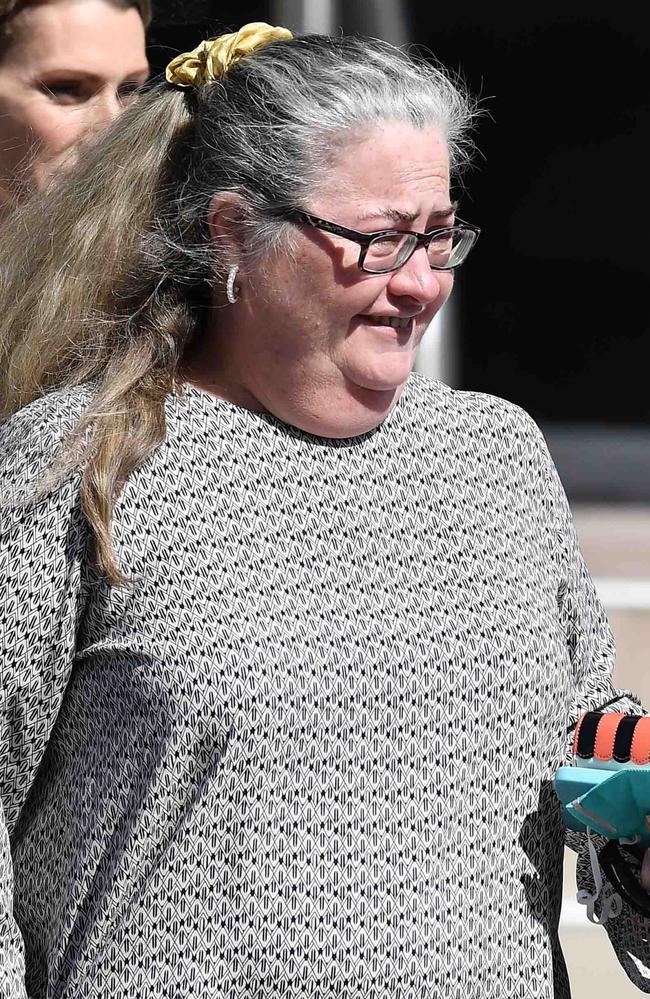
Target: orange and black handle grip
612, 737
617, 738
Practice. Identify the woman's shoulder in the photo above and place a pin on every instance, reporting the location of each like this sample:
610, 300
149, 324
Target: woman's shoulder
30, 437
474, 413
495, 436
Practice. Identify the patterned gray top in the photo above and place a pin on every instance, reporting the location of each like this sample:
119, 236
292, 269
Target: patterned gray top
307, 754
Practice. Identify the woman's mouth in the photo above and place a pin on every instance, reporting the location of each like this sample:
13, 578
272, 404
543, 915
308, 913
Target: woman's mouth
403, 324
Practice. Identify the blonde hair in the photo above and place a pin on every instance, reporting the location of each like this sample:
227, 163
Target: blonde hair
70, 315
107, 277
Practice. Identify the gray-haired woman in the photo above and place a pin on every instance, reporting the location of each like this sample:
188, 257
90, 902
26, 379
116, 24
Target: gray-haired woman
293, 637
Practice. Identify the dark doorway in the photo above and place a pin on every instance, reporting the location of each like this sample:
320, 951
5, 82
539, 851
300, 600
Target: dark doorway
554, 310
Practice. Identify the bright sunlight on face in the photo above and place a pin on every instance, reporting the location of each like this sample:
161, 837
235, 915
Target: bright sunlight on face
70, 69
317, 341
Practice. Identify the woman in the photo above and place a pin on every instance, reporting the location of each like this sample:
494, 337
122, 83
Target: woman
294, 636
66, 67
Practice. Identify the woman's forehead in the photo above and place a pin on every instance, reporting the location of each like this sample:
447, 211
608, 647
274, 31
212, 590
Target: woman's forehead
89, 35
395, 172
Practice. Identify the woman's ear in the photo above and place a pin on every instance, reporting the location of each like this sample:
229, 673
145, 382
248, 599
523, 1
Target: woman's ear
226, 222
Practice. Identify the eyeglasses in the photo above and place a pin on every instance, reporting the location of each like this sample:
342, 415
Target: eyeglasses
389, 250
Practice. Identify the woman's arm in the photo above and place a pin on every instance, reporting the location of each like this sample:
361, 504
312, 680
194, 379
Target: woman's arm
592, 650
43, 549
12, 962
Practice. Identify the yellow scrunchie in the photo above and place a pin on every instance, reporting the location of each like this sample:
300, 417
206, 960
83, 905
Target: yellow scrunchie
213, 58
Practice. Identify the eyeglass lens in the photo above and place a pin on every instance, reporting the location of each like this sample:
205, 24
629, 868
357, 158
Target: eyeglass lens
445, 251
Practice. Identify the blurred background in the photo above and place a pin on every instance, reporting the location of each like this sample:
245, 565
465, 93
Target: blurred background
552, 310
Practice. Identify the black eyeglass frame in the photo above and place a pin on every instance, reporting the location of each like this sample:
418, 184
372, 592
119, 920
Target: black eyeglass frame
364, 239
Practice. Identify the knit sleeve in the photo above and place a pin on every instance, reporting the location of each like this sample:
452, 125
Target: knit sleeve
43, 544
12, 964
592, 651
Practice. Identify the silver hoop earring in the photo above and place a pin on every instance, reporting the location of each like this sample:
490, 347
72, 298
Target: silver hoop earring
232, 291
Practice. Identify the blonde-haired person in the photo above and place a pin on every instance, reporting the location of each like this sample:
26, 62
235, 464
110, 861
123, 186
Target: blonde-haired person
67, 67
293, 637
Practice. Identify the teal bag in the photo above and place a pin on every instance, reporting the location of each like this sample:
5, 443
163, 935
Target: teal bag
607, 792
612, 803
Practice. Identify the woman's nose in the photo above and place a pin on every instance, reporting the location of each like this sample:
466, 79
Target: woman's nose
416, 280
106, 107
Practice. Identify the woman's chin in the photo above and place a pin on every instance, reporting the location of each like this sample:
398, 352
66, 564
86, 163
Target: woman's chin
385, 373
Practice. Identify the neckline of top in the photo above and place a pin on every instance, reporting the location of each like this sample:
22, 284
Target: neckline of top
264, 417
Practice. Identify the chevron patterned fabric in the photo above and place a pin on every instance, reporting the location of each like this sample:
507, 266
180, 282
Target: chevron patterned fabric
308, 753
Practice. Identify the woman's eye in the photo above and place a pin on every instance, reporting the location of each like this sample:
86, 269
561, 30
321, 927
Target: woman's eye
64, 91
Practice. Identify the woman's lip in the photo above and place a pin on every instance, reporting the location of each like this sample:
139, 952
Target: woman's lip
374, 321
397, 336
388, 327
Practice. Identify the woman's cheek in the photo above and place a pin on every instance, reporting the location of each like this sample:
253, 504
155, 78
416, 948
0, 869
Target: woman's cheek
446, 286
54, 134
54, 128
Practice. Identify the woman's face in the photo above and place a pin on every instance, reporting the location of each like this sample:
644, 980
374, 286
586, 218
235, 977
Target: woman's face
307, 343
71, 67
